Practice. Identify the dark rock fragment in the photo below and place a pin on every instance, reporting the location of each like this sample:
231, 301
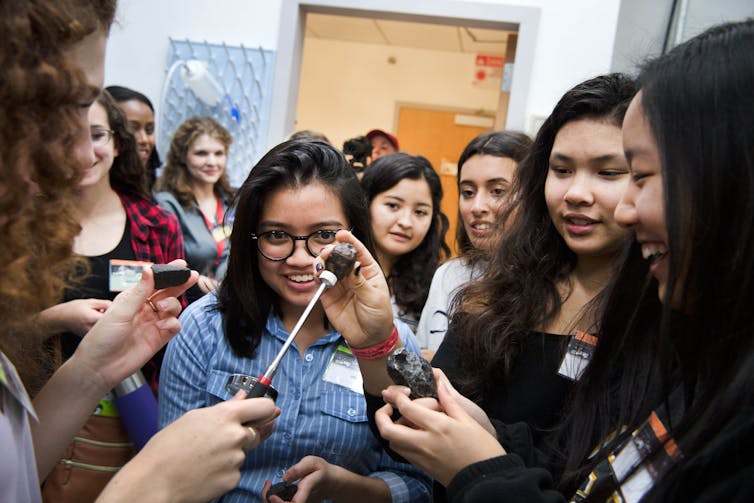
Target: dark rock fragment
341, 260
166, 275
410, 369
283, 490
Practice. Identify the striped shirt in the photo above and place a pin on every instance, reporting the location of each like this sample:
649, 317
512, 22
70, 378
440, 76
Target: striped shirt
317, 418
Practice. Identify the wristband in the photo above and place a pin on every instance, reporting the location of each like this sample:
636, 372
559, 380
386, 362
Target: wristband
380, 350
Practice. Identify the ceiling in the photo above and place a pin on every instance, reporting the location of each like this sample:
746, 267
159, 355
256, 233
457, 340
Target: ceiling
407, 34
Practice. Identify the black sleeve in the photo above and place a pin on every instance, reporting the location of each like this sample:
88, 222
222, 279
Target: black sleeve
517, 439
501, 480
447, 356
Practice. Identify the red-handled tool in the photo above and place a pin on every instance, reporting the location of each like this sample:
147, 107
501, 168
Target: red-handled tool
338, 264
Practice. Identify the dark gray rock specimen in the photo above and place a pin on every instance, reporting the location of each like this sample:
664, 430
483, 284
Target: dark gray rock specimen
410, 369
283, 490
166, 275
341, 260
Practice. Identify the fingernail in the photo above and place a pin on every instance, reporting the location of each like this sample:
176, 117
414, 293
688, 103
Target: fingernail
357, 270
319, 266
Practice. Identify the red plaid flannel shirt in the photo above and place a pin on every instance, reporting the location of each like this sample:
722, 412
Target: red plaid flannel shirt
155, 237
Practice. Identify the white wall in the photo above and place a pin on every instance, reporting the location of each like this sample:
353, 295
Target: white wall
575, 39
348, 88
138, 46
574, 43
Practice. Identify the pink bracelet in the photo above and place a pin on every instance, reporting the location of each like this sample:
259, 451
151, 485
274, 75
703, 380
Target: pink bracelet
380, 350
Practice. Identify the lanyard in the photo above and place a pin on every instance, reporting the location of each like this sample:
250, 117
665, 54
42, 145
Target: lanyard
220, 243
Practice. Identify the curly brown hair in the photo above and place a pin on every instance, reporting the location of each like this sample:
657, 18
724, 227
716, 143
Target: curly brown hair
175, 177
41, 122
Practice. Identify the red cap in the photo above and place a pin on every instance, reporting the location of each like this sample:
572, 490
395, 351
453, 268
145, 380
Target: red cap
379, 132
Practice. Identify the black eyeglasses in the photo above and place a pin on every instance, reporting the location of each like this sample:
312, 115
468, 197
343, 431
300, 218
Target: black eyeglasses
279, 245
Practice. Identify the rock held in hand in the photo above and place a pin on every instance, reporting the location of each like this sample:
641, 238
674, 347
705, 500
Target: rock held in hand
410, 369
283, 490
341, 260
166, 275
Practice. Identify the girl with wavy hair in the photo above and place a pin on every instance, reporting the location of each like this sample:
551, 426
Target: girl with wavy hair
194, 187
664, 411
404, 194
485, 176
522, 325
121, 228
53, 53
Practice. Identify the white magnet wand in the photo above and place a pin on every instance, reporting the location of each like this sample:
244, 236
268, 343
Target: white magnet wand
338, 264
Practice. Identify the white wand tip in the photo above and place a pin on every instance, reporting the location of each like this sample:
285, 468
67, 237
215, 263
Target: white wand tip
328, 278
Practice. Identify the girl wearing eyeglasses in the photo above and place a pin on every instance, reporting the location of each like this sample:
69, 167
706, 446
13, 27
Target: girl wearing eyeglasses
404, 194
288, 209
121, 227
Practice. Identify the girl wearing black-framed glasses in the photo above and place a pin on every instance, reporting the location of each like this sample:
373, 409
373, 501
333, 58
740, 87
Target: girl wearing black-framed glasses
290, 207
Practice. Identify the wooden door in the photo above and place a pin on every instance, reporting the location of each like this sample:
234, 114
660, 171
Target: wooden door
435, 135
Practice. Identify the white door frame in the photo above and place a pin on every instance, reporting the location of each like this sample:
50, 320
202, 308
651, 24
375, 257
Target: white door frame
290, 45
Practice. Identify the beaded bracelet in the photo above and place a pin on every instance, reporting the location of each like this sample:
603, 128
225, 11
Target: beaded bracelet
380, 350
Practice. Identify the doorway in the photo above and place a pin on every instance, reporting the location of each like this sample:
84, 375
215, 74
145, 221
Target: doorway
440, 135
524, 21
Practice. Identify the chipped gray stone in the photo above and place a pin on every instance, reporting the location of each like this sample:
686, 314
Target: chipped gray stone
410, 369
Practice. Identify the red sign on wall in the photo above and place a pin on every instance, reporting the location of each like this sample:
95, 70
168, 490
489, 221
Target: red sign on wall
488, 70
490, 61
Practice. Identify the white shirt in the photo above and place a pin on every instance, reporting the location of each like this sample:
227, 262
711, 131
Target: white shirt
447, 280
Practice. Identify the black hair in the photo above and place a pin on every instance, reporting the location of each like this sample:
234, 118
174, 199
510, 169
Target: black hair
244, 298
693, 99
412, 273
121, 94
358, 151
519, 292
511, 144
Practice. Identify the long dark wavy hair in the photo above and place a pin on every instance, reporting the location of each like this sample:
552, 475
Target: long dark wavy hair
175, 177
519, 291
127, 174
412, 273
693, 99
244, 298
511, 144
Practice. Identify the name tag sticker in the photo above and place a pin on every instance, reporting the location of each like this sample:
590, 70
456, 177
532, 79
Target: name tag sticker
343, 370
124, 274
577, 356
221, 232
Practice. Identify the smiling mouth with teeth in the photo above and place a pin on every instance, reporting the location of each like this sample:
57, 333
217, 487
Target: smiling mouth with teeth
653, 253
654, 257
301, 278
481, 228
